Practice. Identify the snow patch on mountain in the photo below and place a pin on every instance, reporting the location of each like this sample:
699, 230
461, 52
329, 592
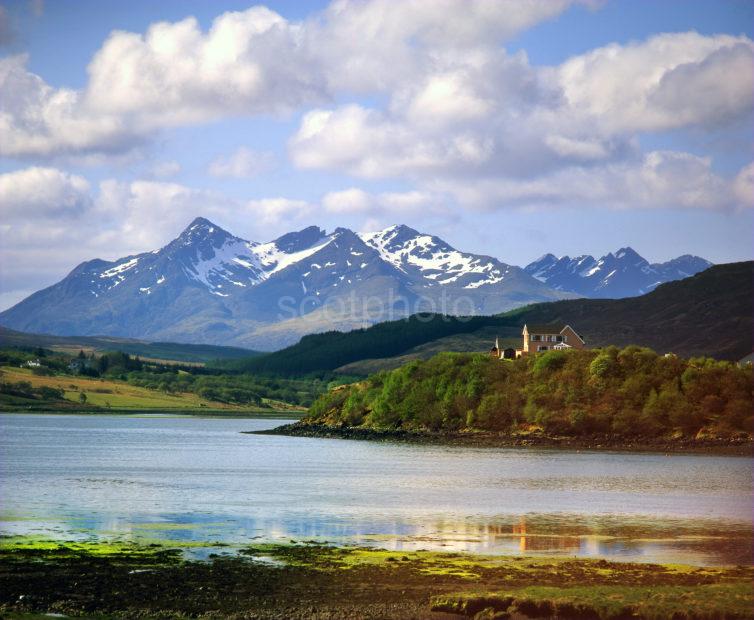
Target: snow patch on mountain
220, 266
120, 268
273, 259
408, 250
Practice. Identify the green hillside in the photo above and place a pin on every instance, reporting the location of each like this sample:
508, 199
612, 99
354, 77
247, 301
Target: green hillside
198, 353
711, 313
630, 392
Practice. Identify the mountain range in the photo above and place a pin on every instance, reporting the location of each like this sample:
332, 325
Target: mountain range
708, 314
623, 274
209, 286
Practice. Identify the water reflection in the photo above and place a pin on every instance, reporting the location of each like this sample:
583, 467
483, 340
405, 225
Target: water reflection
632, 539
198, 481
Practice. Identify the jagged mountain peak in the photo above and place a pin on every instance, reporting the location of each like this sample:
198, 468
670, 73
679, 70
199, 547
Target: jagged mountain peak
624, 273
201, 226
300, 240
628, 254
549, 258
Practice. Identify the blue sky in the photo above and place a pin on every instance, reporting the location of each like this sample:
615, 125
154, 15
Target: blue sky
507, 128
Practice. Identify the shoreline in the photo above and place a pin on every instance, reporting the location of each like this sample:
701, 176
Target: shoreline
486, 439
204, 412
321, 581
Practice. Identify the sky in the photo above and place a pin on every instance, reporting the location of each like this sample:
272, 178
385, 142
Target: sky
510, 128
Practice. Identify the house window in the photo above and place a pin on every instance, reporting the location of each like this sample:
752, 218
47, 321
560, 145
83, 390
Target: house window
541, 348
536, 338
558, 338
550, 338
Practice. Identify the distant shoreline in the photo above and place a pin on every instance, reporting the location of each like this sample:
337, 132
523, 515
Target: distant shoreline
210, 413
732, 447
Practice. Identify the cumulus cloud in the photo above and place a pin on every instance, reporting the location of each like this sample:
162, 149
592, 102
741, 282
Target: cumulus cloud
459, 105
248, 62
37, 119
242, 163
483, 120
381, 45
668, 81
45, 192
457, 113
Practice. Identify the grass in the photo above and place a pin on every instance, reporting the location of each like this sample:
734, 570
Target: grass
121, 396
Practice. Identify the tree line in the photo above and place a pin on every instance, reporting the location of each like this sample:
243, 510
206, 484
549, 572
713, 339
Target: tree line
215, 384
628, 392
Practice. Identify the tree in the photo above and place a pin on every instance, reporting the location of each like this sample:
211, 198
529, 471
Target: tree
82, 398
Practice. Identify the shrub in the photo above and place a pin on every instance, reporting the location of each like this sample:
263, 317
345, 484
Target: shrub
550, 361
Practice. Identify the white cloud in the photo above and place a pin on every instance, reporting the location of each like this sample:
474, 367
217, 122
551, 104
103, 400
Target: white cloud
276, 211
382, 44
743, 186
36, 119
249, 62
355, 201
657, 180
242, 163
665, 82
351, 200
461, 113
45, 192
486, 119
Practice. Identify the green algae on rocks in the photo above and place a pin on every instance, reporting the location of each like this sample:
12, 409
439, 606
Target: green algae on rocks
315, 580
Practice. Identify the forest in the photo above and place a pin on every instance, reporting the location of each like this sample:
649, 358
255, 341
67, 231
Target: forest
627, 392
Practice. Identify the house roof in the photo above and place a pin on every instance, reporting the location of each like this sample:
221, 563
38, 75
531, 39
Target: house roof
552, 328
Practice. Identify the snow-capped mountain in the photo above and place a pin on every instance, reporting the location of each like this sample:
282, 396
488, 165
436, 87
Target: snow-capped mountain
209, 286
623, 274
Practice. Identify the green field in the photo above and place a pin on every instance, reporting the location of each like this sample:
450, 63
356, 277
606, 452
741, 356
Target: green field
111, 394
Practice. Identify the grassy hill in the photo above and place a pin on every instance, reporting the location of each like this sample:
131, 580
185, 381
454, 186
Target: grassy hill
163, 351
711, 313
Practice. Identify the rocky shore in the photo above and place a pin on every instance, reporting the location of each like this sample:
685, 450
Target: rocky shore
741, 446
311, 580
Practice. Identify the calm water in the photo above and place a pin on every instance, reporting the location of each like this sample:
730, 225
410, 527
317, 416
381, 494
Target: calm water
197, 480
